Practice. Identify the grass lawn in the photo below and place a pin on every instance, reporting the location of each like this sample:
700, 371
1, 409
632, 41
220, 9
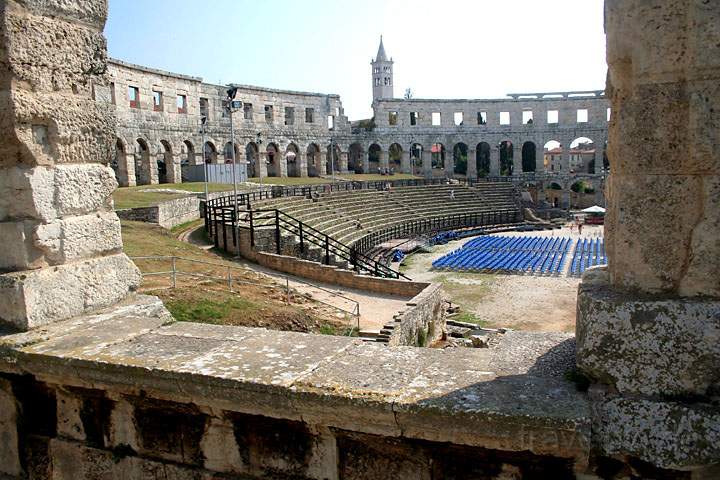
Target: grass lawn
134, 197
256, 300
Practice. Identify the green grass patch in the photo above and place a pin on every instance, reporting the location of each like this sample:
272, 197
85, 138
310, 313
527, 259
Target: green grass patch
134, 197
209, 311
469, 317
184, 226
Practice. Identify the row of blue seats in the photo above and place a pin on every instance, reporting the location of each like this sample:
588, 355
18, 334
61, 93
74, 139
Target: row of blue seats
515, 243
543, 255
588, 253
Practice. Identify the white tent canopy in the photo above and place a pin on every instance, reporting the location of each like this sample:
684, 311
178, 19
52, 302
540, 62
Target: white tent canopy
594, 209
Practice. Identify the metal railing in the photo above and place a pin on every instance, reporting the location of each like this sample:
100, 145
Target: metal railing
434, 225
282, 222
231, 280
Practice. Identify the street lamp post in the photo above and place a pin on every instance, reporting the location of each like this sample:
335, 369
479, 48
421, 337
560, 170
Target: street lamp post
258, 142
332, 158
203, 121
232, 91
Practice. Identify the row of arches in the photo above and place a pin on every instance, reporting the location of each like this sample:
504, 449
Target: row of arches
161, 163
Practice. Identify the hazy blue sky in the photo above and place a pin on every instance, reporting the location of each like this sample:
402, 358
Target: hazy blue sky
441, 48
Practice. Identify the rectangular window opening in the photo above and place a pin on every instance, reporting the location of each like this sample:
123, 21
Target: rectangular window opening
553, 116
504, 118
134, 97
204, 110
608, 114
309, 115
458, 118
269, 113
482, 118
393, 118
112, 93
436, 119
247, 111
582, 115
527, 117
289, 116
331, 122
182, 103
414, 117
157, 101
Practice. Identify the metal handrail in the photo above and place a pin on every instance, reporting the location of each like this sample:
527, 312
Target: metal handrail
230, 280
331, 245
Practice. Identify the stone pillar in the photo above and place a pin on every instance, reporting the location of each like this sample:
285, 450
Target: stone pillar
426, 163
648, 325
384, 159
517, 160
405, 162
343, 162
494, 161
472, 164
261, 166
449, 164
174, 170
282, 164
126, 170
539, 159
321, 165
62, 247
303, 163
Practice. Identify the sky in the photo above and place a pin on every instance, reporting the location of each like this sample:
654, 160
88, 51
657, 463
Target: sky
441, 48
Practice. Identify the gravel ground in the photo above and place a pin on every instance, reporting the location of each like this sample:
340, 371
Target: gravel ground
520, 302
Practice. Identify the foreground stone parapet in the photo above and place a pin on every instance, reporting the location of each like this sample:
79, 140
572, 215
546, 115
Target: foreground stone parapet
62, 252
647, 345
347, 396
671, 435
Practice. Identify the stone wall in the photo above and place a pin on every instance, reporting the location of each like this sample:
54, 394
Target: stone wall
422, 323
648, 324
167, 214
55, 185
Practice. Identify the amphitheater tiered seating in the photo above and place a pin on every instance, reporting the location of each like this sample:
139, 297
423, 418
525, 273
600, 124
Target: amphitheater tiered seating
348, 216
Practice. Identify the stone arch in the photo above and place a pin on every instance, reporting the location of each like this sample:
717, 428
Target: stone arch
416, 152
374, 157
252, 157
395, 153
506, 157
582, 155
210, 152
529, 151
165, 162
554, 193
292, 157
356, 156
460, 159
189, 151
482, 159
437, 152
119, 161
228, 150
332, 158
313, 160
273, 160
552, 156
143, 168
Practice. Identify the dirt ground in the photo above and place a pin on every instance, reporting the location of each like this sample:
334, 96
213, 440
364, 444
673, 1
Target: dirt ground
521, 302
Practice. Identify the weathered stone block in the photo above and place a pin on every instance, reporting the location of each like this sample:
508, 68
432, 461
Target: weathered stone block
9, 453
637, 241
45, 193
21, 256
34, 298
79, 237
68, 416
650, 346
667, 434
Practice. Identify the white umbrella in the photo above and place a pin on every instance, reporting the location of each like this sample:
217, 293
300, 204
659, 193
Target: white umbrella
594, 209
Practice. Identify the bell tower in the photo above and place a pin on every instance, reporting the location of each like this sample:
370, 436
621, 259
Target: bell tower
382, 74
